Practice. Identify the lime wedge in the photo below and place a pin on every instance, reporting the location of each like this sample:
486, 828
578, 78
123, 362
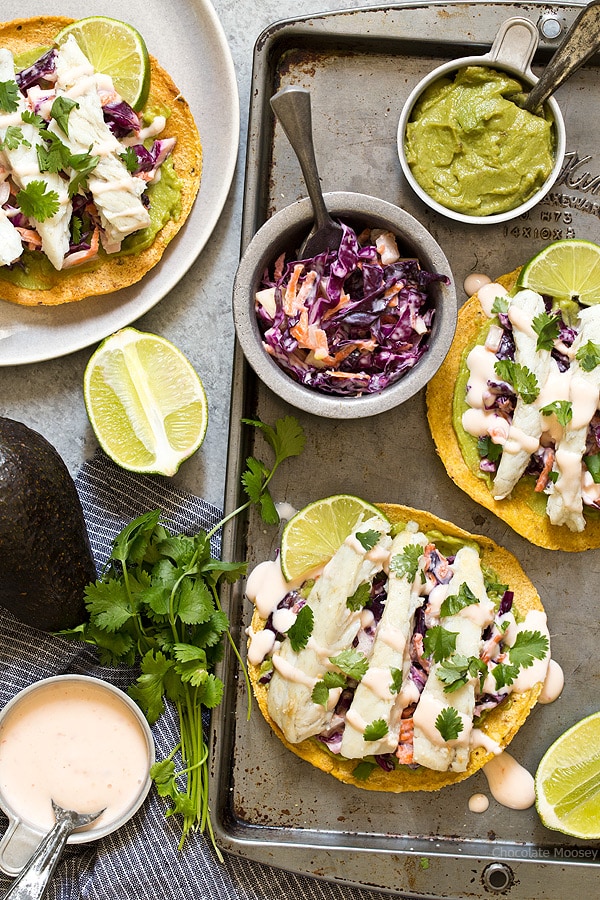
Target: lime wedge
565, 270
145, 402
315, 533
567, 782
114, 48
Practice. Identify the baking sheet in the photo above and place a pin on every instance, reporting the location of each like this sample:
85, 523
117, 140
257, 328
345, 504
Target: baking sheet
360, 66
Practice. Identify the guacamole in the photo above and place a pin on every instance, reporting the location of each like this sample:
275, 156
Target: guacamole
474, 150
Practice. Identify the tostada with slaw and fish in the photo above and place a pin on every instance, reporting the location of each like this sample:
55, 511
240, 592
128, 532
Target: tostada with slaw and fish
91, 189
515, 408
405, 662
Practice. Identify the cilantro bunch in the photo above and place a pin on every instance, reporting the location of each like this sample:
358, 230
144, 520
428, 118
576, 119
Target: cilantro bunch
156, 606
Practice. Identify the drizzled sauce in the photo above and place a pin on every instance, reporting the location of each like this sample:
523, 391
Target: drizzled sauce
509, 782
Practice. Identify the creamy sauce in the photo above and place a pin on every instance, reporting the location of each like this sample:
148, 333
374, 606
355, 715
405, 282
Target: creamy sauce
474, 282
478, 803
266, 587
553, 684
487, 294
509, 782
76, 743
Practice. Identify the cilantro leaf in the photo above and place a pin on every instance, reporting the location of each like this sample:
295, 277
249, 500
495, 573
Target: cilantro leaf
588, 356
457, 670
148, 689
362, 771
353, 663
500, 305
547, 329
562, 409
36, 202
439, 642
84, 164
487, 448
286, 440
360, 597
592, 462
61, 110
320, 692
397, 678
52, 154
449, 723
455, 602
31, 118
520, 377
129, 159
300, 632
504, 674
407, 562
367, 539
9, 96
528, 646
376, 730
13, 137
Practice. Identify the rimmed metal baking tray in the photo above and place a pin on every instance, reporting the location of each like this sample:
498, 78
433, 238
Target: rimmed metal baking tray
269, 806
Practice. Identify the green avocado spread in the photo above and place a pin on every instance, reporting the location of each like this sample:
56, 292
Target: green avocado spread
473, 149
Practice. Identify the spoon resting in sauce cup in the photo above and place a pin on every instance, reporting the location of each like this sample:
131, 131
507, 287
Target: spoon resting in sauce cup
71, 742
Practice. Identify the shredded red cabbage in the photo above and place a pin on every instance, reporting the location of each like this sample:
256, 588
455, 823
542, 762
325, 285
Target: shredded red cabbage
344, 322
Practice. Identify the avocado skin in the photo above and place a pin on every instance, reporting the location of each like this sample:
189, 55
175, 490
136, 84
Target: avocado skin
45, 555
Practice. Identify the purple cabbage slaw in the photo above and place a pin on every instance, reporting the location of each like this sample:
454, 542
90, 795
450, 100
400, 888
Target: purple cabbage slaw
373, 338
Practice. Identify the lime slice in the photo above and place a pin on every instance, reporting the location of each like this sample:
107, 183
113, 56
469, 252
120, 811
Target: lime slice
565, 270
114, 48
567, 782
315, 533
145, 402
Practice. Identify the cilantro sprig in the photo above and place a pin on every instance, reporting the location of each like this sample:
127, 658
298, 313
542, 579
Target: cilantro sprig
9, 96
37, 201
520, 377
449, 723
407, 562
547, 329
588, 356
156, 605
562, 409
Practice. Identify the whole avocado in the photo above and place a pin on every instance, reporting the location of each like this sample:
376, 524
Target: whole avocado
45, 554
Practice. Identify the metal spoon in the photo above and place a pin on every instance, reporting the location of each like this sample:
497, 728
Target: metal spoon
32, 881
581, 41
291, 105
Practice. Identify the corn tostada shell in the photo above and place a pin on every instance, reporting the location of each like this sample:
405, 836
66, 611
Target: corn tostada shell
501, 724
114, 272
522, 510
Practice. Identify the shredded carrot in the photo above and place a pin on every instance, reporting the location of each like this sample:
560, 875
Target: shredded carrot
405, 749
290, 306
31, 238
81, 256
544, 475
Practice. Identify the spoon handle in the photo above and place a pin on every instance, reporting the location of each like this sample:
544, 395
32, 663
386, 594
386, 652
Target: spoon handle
291, 105
581, 42
32, 882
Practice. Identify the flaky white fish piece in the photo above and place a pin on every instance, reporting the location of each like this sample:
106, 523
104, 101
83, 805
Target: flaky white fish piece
430, 748
296, 673
23, 164
565, 502
11, 246
373, 698
116, 192
526, 427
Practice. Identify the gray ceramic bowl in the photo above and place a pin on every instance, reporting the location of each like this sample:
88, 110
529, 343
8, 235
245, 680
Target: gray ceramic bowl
285, 231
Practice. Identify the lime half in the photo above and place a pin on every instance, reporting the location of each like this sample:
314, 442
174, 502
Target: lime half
315, 533
565, 270
114, 48
567, 782
145, 402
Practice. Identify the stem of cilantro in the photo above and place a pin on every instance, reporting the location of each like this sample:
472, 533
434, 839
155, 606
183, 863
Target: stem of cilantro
165, 611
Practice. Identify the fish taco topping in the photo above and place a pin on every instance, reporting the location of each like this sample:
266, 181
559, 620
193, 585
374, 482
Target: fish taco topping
84, 179
515, 412
407, 661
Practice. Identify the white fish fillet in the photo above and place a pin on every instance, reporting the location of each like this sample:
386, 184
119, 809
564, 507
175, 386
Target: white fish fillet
430, 750
565, 502
527, 417
24, 168
372, 701
115, 191
335, 627
10, 241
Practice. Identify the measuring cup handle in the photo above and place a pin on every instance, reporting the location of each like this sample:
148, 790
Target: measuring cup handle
514, 44
32, 882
